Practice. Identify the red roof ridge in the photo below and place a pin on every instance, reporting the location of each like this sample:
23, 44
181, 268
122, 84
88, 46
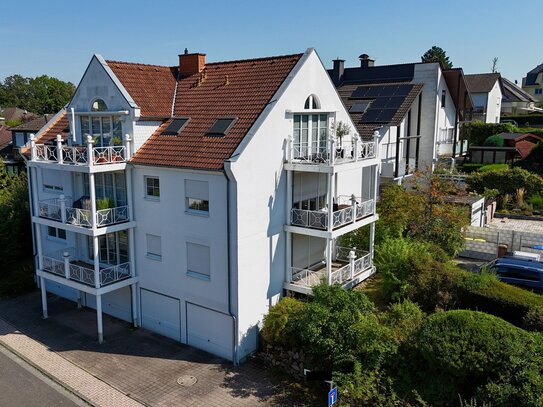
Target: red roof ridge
255, 59
140, 64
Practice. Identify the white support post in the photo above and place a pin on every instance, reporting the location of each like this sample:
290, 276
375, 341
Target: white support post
38, 245
43, 298
289, 151
353, 203
79, 306
127, 152
329, 261
96, 255
332, 144
133, 293
99, 322
66, 257
331, 189
92, 190
288, 257
372, 239
376, 143
352, 257
62, 202
128, 174
288, 211
32, 147
355, 146
90, 152
60, 159
132, 252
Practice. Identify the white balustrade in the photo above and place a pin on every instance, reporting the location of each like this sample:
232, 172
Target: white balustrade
79, 155
52, 209
332, 152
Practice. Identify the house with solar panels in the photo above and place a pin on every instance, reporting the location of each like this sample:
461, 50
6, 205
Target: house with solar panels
188, 199
415, 108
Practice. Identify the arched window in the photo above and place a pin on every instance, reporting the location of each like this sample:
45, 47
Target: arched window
99, 106
312, 102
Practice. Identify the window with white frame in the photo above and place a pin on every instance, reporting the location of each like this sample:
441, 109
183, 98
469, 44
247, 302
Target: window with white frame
152, 188
312, 102
310, 135
446, 135
197, 196
154, 247
105, 130
198, 261
54, 233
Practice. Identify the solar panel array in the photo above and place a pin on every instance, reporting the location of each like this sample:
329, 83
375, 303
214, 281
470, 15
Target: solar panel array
385, 100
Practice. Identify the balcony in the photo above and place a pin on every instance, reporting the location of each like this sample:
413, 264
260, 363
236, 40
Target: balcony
62, 210
348, 265
65, 263
84, 155
348, 211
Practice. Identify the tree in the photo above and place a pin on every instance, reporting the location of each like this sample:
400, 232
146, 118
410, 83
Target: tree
436, 54
41, 95
494, 64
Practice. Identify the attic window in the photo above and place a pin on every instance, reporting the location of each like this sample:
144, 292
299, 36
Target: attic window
360, 107
99, 106
312, 102
175, 127
221, 127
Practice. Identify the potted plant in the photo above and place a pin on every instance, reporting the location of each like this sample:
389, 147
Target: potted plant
116, 153
342, 129
104, 203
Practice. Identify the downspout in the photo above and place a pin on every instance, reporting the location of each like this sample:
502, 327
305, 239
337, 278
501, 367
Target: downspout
31, 206
230, 178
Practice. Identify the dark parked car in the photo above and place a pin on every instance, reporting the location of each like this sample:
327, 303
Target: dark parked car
518, 271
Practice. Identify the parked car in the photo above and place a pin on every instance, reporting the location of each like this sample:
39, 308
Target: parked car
519, 270
513, 122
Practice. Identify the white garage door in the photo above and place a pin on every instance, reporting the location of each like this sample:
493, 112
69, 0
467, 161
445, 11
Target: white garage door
61, 290
210, 331
117, 303
160, 314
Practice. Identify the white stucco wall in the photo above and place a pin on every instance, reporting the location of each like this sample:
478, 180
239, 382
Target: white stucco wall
142, 131
494, 104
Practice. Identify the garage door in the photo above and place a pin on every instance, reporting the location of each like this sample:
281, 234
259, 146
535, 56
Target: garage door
209, 330
117, 303
61, 290
160, 314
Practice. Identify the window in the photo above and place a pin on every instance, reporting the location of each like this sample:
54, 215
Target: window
312, 102
197, 196
154, 247
539, 91
198, 261
221, 127
106, 130
443, 97
52, 181
310, 135
152, 188
55, 233
99, 106
176, 125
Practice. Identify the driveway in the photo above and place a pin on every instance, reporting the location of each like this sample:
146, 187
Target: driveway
141, 364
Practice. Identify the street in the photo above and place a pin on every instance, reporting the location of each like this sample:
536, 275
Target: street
22, 385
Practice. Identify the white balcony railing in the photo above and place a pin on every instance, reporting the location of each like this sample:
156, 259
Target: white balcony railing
331, 154
66, 264
340, 217
53, 209
79, 155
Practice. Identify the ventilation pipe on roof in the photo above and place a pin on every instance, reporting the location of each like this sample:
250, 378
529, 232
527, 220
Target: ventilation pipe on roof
366, 61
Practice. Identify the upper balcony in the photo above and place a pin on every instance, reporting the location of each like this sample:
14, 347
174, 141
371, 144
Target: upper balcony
324, 156
86, 157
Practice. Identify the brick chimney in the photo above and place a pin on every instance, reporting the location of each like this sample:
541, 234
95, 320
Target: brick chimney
337, 71
366, 61
189, 64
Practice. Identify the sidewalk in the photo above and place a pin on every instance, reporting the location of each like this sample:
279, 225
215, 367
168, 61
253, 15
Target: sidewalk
86, 386
133, 367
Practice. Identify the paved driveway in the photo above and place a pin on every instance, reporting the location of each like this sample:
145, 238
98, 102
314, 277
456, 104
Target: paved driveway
140, 364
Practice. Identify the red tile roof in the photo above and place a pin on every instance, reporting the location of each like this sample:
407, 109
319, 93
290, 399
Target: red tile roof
239, 89
5, 136
151, 86
53, 128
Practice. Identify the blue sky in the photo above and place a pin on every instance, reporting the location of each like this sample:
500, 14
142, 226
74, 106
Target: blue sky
58, 38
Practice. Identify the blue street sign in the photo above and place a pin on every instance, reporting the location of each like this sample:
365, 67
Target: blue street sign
332, 396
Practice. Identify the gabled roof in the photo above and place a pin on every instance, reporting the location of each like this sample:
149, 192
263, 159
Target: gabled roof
532, 75
520, 136
233, 89
56, 125
379, 74
151, 86
513, 93
481, 82
34, 125
388, 103
5, 138
14, 113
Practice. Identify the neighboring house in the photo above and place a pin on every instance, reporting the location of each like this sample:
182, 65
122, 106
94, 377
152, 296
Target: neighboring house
6, 151
515, 100
416, 109
188, 199
486, 93
517, 146
532, 83
9, 114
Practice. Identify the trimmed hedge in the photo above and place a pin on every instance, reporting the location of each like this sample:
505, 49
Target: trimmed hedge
478, 132
494, 141
506, 182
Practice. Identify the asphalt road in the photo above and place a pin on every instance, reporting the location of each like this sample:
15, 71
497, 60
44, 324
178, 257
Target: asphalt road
23, 385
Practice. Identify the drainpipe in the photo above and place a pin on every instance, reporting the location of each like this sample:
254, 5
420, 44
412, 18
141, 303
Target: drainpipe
230, 179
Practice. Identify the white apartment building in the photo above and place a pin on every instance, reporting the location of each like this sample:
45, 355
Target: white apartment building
189, 199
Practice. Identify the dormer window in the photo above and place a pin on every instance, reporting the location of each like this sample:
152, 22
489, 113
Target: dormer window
99, 106
312, 102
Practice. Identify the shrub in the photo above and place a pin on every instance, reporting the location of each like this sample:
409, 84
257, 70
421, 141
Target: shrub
494, 141
536, 201
506, 182
477, 355
278, 327
470, 167
493, 167
403, 318
478, 132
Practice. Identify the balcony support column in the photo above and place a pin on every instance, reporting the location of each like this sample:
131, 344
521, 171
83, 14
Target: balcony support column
288, 257
43, 298
79, 305
32, 147
352, 257
372, 238
92, 189
62, 202
129, 201
66, 257
96, 258
60, 159
331, 188
288, 249
90, 153
99, 321
329, 243
127, 151
134, 295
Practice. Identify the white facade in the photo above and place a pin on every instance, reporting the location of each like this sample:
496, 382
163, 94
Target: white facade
490, 104
206, 277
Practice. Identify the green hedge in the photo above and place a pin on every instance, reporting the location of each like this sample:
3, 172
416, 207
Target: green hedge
478, 132
494, 141
506, 182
